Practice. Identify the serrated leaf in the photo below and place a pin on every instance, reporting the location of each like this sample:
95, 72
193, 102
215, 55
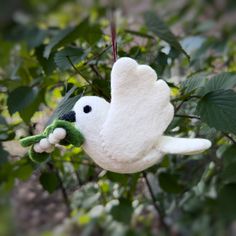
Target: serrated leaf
169, 183
57, 40
193, 83
67, 57
20, 98
47, 64
160, 63
159, 28
90, 33
218, 110
49, 181
225, 80
28, 111
65, 105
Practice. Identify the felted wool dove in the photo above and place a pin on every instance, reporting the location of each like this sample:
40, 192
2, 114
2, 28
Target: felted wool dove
126, 135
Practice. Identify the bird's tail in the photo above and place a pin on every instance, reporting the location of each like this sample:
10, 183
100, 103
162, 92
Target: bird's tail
184, 146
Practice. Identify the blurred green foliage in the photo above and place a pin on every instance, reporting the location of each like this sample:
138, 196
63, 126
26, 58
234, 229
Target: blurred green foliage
53, 51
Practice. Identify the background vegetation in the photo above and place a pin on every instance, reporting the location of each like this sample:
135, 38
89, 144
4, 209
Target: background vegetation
51, 51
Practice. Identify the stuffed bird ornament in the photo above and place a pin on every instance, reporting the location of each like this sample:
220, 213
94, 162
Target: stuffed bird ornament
125, 135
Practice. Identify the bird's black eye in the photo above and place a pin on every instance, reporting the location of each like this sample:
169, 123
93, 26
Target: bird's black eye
87, 109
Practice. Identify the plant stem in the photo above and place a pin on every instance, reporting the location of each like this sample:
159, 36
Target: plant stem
63, 190
64, 194
187, 116
98, 91
156, 206
230, 138
98, 55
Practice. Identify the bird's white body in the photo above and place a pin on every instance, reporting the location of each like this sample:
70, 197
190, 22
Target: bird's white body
126, 135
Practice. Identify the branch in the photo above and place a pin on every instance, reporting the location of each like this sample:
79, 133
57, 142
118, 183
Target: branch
63, 190
157, 207
187, 116
96, 72
230, 138
183, 101
98, 91
98, 55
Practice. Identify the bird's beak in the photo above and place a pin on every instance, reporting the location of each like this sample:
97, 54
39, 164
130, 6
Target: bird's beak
70, 116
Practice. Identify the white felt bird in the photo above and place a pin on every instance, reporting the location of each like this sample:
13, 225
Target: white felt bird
126, 135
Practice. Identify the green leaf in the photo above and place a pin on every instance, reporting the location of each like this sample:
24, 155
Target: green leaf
158, 27
229, 174
193, 82
3, 155
23, 172
227, 206
91, 33
104, 86
68, 56
20, 98
28, 111
57, 41
225, 80
117, 178
65, 105
2, 120
49, 181
229, 156
123, 211
218, 110
6, 134
169, 183
34, 36
160, 63
85, 31
47, 64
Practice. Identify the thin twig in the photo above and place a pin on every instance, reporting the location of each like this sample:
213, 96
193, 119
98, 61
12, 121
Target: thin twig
64, 194
78, 71
96, 72
156, 206
98, 55
98, 91
183, 101
63, 190
187, 116
184, 97
230, 138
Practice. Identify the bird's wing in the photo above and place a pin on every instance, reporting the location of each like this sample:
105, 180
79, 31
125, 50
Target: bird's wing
140, 111
184, 146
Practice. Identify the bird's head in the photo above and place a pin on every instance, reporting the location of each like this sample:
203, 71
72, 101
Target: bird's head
89, 113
